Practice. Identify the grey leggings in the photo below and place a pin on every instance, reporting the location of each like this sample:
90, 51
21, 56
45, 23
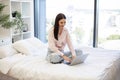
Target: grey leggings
56, 58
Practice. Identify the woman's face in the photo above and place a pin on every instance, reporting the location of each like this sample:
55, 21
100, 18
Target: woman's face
62, 22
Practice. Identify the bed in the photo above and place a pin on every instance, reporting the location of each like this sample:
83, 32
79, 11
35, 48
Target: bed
30, 64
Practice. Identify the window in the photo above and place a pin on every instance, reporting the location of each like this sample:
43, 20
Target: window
80, 15
80, 21
109, 24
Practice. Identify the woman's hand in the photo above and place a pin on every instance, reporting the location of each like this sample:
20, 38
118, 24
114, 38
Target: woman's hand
66, 58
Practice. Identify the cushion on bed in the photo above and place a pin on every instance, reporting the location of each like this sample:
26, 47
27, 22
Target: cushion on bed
36, 42
24, 47
6, 51
42, 47
31, 46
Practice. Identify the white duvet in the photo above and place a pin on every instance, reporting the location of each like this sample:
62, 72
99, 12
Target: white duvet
100, 65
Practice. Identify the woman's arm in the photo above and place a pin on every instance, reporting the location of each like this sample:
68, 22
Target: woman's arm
70, 46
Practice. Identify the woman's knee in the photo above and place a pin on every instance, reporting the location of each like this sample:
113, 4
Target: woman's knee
55, 58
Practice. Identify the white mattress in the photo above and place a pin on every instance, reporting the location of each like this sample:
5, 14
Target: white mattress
100, 65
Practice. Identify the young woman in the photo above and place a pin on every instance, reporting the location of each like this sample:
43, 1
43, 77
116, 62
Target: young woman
58, 37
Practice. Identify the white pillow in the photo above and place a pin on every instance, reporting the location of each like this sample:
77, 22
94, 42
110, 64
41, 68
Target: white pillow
26, 48
36, 42
6, 51
42, 47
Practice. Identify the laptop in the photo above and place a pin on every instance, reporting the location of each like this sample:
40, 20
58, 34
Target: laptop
78, 59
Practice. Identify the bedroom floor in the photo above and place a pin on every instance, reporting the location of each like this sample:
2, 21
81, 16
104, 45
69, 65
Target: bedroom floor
118, 75
4, 77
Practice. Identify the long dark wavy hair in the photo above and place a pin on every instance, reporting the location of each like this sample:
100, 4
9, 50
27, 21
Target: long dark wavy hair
56, 25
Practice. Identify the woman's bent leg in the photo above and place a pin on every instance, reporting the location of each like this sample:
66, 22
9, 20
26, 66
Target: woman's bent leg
54, 58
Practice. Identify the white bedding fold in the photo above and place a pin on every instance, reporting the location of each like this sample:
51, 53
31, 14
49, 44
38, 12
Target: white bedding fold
7, 63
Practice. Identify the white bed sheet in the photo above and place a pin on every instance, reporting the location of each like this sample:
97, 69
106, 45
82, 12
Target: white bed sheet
100, 65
